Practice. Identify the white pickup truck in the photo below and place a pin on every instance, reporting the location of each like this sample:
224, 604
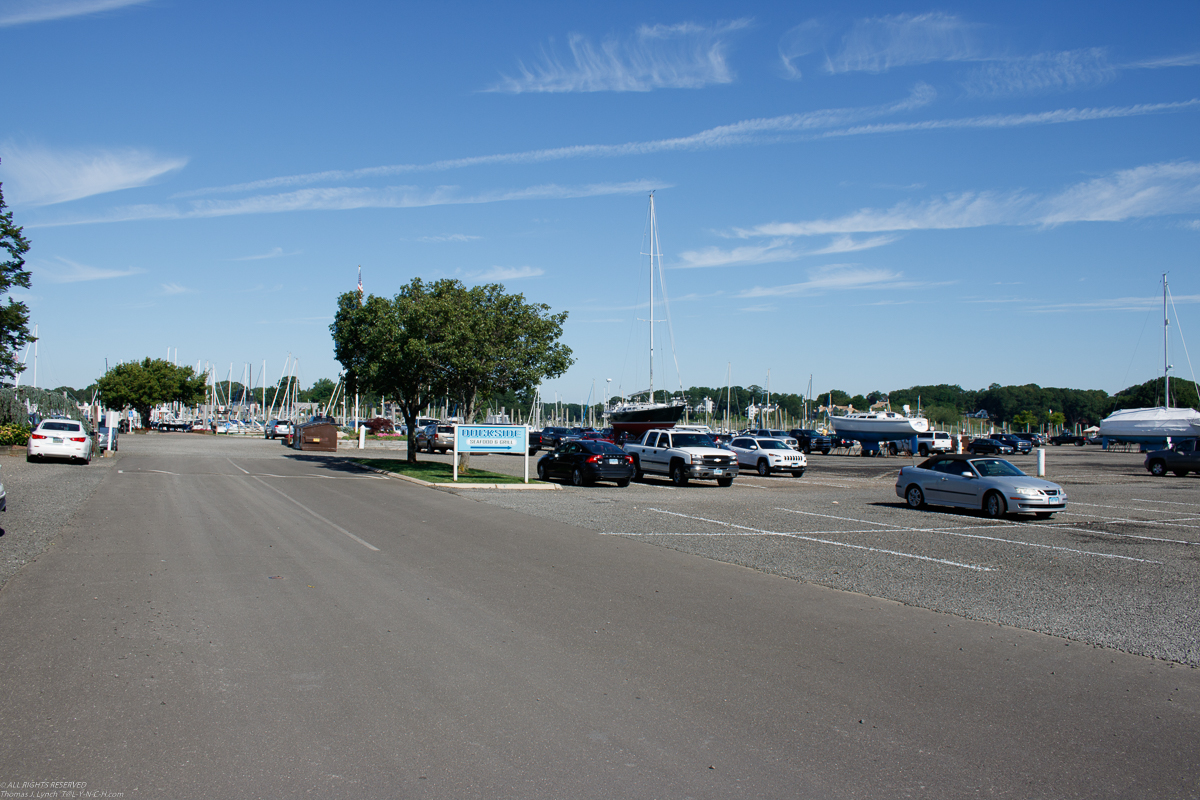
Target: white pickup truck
682, 455
934, 442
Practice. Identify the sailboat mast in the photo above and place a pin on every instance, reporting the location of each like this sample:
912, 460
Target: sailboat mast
652, 237
1166, 358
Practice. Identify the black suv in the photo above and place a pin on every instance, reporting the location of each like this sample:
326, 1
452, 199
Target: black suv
1018, 444
552, 435
810, 440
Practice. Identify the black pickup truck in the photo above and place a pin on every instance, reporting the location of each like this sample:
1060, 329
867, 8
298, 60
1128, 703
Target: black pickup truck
1069, 438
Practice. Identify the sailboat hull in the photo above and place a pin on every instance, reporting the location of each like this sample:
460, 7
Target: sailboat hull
1150, 425
637, 421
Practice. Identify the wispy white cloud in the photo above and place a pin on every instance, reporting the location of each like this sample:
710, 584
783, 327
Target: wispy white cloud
22, 12
1113, 303
1184, 60
68, 271
39, 176
744, 132
453, 237
802, 40
1147, 191
506, 274
683, 56
175, 288
275, 252
1057, 117
833, 277
344, 198
775, 251
882, 43
820, 123
1042, 73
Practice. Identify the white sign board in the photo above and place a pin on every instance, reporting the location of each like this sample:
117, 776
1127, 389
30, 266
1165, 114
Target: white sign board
491, 439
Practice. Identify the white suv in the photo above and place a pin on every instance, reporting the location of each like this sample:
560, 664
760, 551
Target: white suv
767, 455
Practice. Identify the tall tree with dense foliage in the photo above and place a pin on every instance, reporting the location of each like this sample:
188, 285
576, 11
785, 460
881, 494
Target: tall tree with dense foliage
141, 385
443, 339
393, 347
496, 342
14, 317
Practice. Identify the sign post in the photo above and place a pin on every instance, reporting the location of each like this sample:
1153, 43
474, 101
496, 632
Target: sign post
491, 439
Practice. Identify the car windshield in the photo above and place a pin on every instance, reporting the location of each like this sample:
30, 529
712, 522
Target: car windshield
995, 468
772, 444
602, 447
61, 426
691, 440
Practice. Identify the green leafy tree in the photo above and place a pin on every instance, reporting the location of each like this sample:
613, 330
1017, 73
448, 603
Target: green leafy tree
319, 392
1025, 418
14, 317
496, 342
393, 346
143, 385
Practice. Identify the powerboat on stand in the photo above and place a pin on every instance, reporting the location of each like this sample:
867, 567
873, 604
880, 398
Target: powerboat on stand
870, 428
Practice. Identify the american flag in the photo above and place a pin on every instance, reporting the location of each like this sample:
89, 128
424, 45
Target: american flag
360, 284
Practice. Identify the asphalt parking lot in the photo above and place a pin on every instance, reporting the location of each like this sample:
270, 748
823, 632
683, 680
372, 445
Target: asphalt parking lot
1119, 569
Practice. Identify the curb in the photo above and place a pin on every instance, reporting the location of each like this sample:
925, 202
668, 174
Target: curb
553, 487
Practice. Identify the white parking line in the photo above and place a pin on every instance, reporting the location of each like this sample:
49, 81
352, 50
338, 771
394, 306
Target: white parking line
808, 538
308, 510
1119, 520
949, 532
1166, 502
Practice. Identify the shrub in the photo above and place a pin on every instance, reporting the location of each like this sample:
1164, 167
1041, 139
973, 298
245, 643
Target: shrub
14, 433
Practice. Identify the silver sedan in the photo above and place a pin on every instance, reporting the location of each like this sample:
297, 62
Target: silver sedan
991, 485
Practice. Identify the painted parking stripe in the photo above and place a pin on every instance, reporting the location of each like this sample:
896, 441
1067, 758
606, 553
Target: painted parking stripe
1166, 502
807, 538
947, 532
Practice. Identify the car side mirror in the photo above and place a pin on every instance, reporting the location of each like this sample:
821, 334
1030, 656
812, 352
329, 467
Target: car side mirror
968, 474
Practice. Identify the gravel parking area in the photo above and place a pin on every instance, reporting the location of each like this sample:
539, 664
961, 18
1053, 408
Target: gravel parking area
42, 498
1119, 569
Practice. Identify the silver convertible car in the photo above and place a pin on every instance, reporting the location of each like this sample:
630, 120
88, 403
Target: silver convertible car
989, 484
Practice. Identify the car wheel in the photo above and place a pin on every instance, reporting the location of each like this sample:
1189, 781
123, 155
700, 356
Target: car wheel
1043, 514
542, 475
1080, 444
797, 473
678, 476
622, 482
808, 451
577, 477
725, 482
825, 452
764, 469
994, 506
532, 451
923, 451
637, 469
1179, 473
893, 450
915, 497
1158, 468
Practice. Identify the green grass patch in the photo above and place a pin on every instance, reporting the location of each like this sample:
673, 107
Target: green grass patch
435, 471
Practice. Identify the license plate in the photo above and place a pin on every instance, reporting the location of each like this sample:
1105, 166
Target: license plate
56, 440
718, 472
613, 461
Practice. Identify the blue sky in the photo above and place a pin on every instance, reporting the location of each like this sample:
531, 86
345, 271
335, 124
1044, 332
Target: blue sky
879, 196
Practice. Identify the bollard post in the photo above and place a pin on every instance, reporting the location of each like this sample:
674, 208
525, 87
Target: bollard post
362, 437
1041, 462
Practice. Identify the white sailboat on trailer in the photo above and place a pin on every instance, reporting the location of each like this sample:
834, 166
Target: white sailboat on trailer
1158, 424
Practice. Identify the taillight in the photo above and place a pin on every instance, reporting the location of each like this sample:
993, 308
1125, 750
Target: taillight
36, 436
77, 438
594, 459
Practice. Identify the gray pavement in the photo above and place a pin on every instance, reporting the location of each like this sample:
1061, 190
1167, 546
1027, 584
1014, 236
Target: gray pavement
231, 619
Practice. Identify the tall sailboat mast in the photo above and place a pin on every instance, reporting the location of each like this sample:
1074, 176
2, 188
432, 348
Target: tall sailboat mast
1166, 358
653, 237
